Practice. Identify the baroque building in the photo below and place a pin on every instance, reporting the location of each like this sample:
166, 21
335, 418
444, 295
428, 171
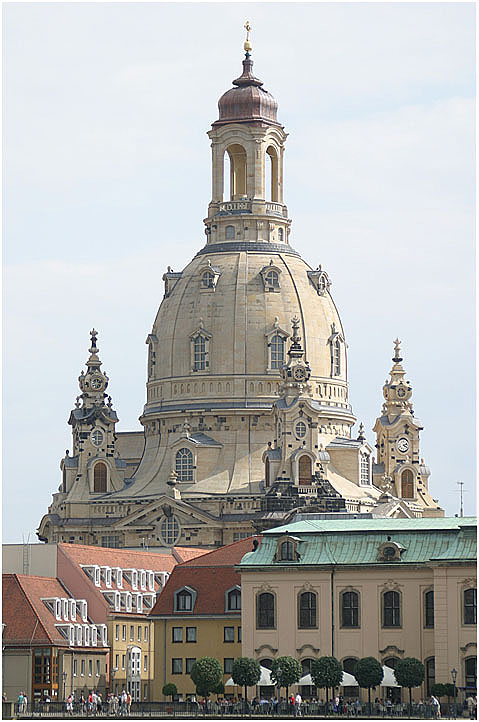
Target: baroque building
247, 418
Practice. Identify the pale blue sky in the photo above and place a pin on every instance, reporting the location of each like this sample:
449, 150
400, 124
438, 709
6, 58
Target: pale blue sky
107, 180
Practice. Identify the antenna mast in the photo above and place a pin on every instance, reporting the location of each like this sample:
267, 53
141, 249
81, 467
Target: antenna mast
461, 491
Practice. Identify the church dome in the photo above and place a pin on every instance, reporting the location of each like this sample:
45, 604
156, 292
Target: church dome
246, 327
248, 101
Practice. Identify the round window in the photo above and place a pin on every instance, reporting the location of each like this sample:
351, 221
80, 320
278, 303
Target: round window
96, 437
300, 430
169, 530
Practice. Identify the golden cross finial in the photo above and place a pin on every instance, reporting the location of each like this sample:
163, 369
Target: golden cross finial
247, 44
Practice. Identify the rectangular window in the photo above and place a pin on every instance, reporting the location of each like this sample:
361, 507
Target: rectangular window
82, 668
145, 691
239, 634
470, 606
117, 632
177, 665
139, 634
132, 632
123, 632
429, 609
75, 667
228, 665
97, 667
177, 634
145, 636
391, 609
117, 661
350, 609
229, 634
191, 634
189, 664
90, 667
145, 663
123, 661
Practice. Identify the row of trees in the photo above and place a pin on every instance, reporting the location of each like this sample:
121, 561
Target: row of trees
326, 673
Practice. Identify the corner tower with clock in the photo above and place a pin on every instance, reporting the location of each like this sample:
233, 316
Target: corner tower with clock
400, 470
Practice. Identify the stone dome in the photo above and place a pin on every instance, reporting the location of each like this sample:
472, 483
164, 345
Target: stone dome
238, 316
248, 101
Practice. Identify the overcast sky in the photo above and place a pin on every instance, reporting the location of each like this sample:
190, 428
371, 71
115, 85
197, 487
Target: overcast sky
107, 180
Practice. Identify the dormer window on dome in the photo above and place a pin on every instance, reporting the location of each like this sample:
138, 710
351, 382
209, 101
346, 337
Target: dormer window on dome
209, 276
336, 342
200, 346
270, 275
287, 549
320, 280
390, 551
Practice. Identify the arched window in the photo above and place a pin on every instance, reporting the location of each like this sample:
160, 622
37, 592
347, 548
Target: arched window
266, 662
470, 606
99, 477
199, 353
277, 351
169, 530
429, 609
281, 235
208, 279
300, 430
322, 284
287, 551
470, 674
273, 175
349, 664
306, 666
350, 609
337, 357
391, 609
184, 465
305, 470
265, 611
233, 600
230, 233
64, 479
407, 484
184, 601
307, 606
237, 155
272, 279
390, 662
430, 670
267, 472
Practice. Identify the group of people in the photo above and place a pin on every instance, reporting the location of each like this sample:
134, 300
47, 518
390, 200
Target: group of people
22, 702
92, 704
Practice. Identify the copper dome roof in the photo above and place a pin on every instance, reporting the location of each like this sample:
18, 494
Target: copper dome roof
248, 101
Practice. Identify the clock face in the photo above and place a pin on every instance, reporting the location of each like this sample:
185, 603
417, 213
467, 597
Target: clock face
402, 444
401, 392
299, 373
96, 383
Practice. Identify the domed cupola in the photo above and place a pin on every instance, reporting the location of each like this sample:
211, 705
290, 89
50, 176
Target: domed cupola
248, 101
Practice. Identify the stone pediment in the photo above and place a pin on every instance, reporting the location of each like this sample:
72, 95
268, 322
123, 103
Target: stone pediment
148, 515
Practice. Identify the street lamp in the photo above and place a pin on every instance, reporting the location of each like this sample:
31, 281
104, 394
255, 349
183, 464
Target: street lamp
454, 677
64, 675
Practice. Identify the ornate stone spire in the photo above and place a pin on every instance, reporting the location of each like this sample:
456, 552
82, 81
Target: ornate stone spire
94, 382
397, 391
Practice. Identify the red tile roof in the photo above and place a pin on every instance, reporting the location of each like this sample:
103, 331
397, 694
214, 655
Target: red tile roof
184, 554
125, 558
28, 620
210, 575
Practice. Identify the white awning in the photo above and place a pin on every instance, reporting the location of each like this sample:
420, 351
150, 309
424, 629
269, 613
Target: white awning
389, 678
347, 680
264, 680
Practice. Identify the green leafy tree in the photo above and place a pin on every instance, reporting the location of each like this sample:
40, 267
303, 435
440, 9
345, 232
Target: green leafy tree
285, 671
169, 690
438, 690
326, 672
246, 673
219, 689
409, 672
369, 673
206, 674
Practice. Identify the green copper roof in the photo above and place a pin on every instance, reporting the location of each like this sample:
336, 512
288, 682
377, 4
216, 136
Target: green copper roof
357, 541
